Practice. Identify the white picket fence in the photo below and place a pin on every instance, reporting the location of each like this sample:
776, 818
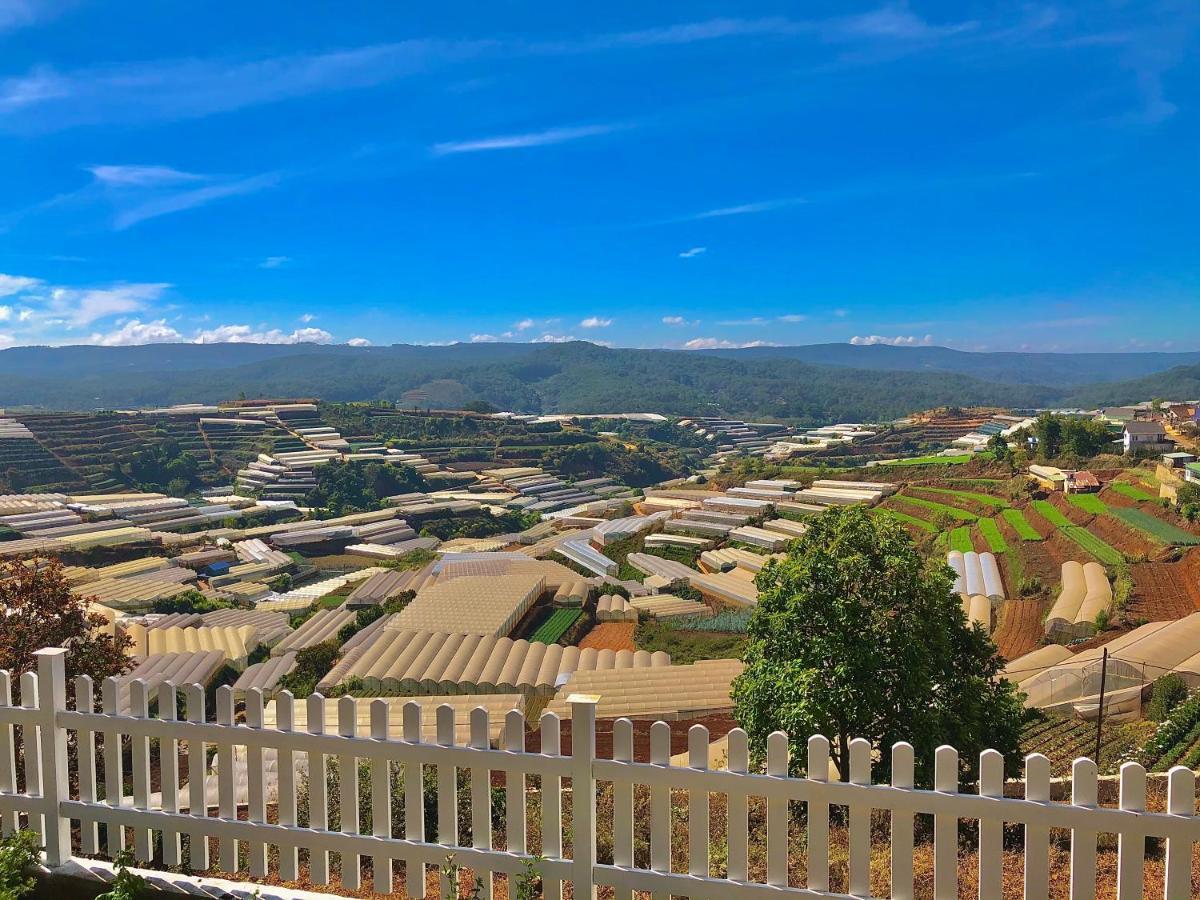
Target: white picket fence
47, 804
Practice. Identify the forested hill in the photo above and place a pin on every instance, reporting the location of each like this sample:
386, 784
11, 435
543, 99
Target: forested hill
574, 377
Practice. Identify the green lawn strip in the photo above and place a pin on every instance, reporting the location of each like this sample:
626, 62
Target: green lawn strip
953, 511
1020, 525
991, 533
1163, 532
1106, 553
986, 499
556, 626
1132, 492
960, 539
906, 518
928, 460
1089, 503
1050, 513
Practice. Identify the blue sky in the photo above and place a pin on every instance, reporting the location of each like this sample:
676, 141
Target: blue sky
976, 175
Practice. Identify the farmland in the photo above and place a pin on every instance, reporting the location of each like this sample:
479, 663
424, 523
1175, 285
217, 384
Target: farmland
556, 625
907, 519
960, 539
986, 499
1065, 739
1163, 532
1051, 514
1020, 525
938, 508
1106, 553
1089, 503
991, 533
1131, 491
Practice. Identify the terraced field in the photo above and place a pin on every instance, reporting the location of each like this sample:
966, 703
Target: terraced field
1105, 553
985, 499
991, 533
1132, 492
1089, 503
1157, 529
960, 539
923, 524
1051, 514
941, 508
1016, 519
1064, 739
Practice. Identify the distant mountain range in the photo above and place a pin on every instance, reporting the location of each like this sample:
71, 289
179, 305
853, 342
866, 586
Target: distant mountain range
816, 383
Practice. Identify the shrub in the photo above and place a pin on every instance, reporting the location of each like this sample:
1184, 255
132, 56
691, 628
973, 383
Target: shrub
19, 853
1168, 692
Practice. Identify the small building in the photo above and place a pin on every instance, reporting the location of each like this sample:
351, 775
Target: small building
1181, 413
1178, 459
1051, 478
1146, 436
1082, 483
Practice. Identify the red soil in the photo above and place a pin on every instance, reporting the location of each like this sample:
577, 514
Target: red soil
1020, 629
1161, 592
610, 636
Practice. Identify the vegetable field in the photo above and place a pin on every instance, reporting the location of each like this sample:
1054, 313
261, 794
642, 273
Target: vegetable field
1176, 741
1021, 525
559, 622
1161, 531
932, 460
1050, 513
991, 533
1106, 553
986, 499
952, 511
1063, 739
1131, 491
923, 524
1089, 503
960, 539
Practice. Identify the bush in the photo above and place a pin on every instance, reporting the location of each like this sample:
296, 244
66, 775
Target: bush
19, 853
312, 664
1167, 693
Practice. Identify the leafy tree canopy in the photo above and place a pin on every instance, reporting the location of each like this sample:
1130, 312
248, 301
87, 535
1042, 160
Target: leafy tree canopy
358, 486
855, 635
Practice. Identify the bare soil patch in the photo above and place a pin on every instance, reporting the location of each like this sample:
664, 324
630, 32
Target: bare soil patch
1160, 592
1020, 629
610, 636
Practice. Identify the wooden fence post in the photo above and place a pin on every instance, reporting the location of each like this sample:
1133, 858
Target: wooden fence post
583, 794
52, 691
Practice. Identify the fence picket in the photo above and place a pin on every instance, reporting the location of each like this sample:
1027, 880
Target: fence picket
1181, 801
414, 802
514, 783
818, 814
860, 821
777, 812
623, 825
447, 791
991, 829
8, 755
660, 803
168, 766
481, 795
381, 798
738, 829
318, 792
197, 788
698, 827
285, 721
256, 809
114, 777
945, 826
139, 708
551, 729
1084, 793
85, 739
227, 848
31, 736
903, 764
1131, 848
1037, 837
351, 863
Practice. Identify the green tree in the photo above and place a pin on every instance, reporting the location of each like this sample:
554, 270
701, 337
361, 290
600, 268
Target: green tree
998, 447
1048, 429
855, 635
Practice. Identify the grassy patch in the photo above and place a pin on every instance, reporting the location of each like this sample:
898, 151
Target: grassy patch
906, 519
986, 499
1050, 513
1163, 532
556, 625
1106, 553
991, 533
960, 539
687, 645
1089, 503
932, 460
1020, 525
1131, 491
952, 511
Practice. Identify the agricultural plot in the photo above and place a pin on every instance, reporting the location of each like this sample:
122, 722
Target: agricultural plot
1089, 503
558, 624
1051, 514
1131, 491
1016, 519
952, 511
1104, 552
1163, 532
991, 533
1020, 629
610, 636
923, 524
960, 539
932, 460
1063, 739
986, 499
1176, 740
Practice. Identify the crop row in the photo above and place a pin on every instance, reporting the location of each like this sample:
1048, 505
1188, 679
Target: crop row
1106, 553
1089, 503
960, 539
1163, 532
1131, 491
906, 519
559, 622
1173, 736
986, 499
1020, 525
1051, 514
952, 511
991, 533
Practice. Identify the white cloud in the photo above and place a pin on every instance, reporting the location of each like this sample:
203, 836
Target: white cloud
741, 209
694, 251
553, 339
679, 321
520, 141
142, 176
307, 317
138, 332
595, 322
359, 342
483, 338
897, 341
274, 262
525, 324
6, 340
5, 313
793, 317
16, 284
164, 204
244, 334
82, 306
754, 320
711, 343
